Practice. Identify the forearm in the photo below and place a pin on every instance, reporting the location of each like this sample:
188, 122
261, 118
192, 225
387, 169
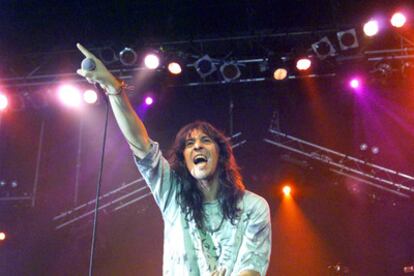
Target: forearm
130, 124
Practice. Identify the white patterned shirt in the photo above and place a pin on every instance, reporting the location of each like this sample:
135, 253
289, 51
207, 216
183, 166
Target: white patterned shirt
188, 251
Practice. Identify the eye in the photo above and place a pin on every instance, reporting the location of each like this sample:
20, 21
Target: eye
206, 139
189, 143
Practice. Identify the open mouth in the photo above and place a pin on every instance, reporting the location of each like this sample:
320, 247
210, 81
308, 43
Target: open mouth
198, 159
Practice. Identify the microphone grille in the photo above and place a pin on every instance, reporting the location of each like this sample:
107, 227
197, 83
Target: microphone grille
88, 64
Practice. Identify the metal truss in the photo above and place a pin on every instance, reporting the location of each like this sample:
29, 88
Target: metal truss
118, 198
112, 201
386, 179
247, 50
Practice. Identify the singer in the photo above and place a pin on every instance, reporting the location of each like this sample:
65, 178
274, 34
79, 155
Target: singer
212, 225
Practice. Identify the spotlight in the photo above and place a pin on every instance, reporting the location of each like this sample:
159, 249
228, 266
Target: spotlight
4, 102
363, 147
107, 55
14, 184
128, 56
2, 183
174, 68
355, 83
375, 150
69, 95
149, 100
371, 28
280, 73
152, 61
2, 236
90, 96
398, 20
347, 39
205, 66
303, 64
287, 190
230, 71
323, 48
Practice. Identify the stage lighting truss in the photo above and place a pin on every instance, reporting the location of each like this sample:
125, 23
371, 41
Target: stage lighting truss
112, 201
128, 56
230, 71
323, 48
116, 199
205, 66
347, 39
379, 177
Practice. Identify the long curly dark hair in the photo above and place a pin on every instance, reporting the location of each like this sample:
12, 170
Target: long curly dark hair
189, 196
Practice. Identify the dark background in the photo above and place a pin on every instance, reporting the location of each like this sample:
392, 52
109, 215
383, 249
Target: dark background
372, 236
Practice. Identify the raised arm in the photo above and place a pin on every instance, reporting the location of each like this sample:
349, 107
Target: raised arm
128, 121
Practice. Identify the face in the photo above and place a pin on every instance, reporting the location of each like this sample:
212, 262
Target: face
201, 154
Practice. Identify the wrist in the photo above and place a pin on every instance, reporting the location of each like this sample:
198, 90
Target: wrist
115, 87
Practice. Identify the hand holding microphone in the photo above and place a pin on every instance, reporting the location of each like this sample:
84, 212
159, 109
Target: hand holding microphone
95, 72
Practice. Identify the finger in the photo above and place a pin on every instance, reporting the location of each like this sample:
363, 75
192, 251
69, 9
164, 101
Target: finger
84, 51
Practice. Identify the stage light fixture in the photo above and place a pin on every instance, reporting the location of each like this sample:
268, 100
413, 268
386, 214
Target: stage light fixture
152, 61
2, 236
14, 184
149, 100
230, 71
205, 66
69, 95
107, 55
363, 147
323, 48
371, 28
2, 183
355, 83
4, 102
347, 39
303, 64
174, 68
280, 73
287, 190
398, 20
375, 150
128, 56
90, 96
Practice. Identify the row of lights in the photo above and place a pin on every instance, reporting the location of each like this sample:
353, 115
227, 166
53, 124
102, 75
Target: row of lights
68, 94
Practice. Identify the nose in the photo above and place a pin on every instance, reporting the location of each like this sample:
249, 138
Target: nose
198, 144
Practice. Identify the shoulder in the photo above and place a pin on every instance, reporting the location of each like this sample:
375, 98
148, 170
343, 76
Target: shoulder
252, 201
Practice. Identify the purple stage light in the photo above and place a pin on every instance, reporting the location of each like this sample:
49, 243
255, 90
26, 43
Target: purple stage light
149, 100
69, 95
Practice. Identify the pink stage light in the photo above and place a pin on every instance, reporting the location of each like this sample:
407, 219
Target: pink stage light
398, 20
149, 100
303, 64
69, 95
90, 96
371, 28
152, 61
4, 102
355, 83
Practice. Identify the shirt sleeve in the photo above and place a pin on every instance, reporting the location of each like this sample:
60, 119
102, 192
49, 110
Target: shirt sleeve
254, 253
162, 182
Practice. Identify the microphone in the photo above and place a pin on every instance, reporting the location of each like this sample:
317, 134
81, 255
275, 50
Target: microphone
88, 64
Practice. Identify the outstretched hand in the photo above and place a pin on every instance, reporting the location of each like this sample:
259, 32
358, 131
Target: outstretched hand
100, 74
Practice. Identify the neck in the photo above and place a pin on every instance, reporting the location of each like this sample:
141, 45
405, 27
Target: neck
209, 188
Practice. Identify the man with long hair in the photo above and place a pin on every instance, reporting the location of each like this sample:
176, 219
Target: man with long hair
212, 225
